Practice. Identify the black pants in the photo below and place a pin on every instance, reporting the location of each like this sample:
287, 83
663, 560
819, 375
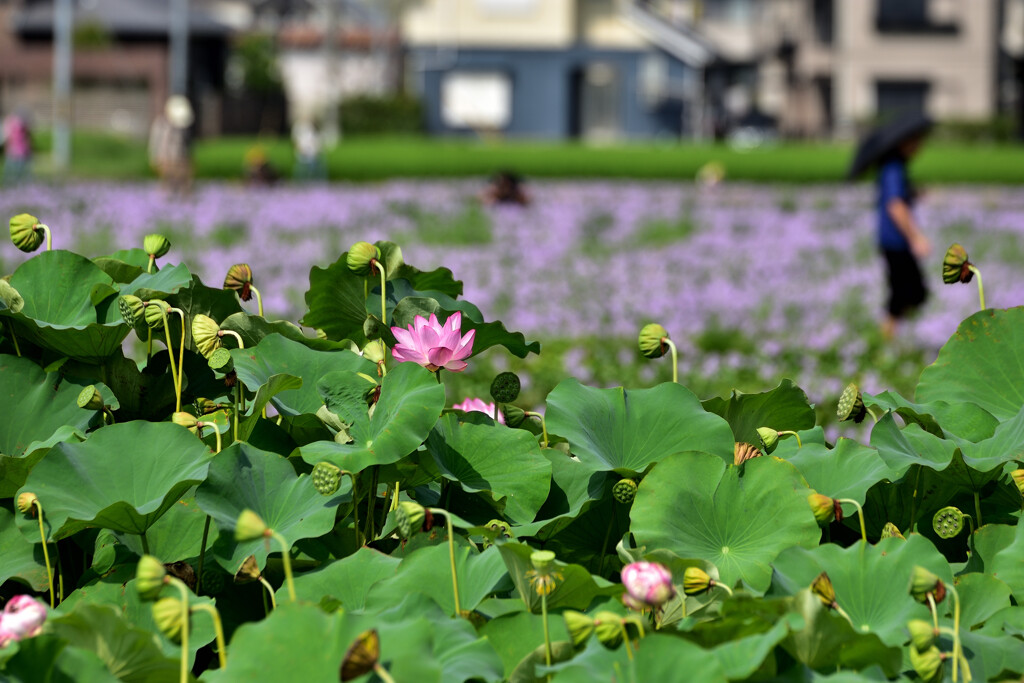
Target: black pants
907, 290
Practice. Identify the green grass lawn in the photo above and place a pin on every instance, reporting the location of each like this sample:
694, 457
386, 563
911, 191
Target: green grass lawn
363, 159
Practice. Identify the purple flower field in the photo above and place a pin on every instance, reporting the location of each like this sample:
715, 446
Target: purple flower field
754, 282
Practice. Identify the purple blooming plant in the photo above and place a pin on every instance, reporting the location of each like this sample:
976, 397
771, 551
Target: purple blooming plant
433, 345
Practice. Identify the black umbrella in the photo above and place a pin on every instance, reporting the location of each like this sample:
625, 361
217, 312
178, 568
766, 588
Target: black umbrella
884, 140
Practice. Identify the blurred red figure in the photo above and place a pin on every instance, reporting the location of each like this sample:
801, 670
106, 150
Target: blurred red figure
16, 140
506, 188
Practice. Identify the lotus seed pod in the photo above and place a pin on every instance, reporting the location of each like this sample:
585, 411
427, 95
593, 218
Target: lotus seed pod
624, 491
26, 502
213, 581
25, 232
922, 634
696, 581
851, 405
10, 298
825, 509
221, 361
132, 308
248, 572
890, 530
514, 416
156, 245
822, 587
769, 438
326, 478
948, 522
154, 312
205, 334
150, 577
409, 516
608, 629
90, 399
579, 626
927, 664
168, 618
250, 526
505, 387
923, 583
375, 351
239, 278
541, 560
361, 657
652, 341
1018, 479
186, 420
955, 266
500, 527
361, 256
743, 452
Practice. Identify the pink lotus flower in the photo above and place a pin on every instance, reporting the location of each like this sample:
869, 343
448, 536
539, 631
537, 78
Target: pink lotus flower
23, 617
647, 584
476, 405
432, 345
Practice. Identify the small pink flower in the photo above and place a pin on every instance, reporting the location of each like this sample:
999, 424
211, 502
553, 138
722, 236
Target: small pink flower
648, 583
432, 345
23, 617
476, 405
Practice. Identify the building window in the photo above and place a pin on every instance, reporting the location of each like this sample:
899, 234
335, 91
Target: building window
909, 16
476, 99
897, 98
823, 21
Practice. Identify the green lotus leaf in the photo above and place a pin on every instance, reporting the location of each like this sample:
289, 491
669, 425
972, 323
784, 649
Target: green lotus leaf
336, 302
410, 403
122, 478
665, 656
573, 485
506, 463
1005, 445
739, 519
275, 355
1008, 564
124, 265
196, 299
940, 418
253, 328
437, 280
274, 385
744, 651
159, 285
991, 658
589, 539
992, 539
576, 589
783, 408
49, 658
23, 559
348, 580
243, 477
628, 430
901, 448
515, 636
176, 536
982, 363
846, 471
981, 595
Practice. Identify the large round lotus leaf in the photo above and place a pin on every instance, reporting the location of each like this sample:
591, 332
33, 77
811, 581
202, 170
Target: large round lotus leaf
39, 409
991, 658
783, 408
48, 658
737, 518
123, 478
576, 587
253, 328
243, 477
911, 445
177, 535
982, 363
964, 420
870, 581
410, 403
336, 301
59, 313
347, 581
22, 559
1005, 445
158, 285
573, 485
627, 430
504, 463
276, 355
514, 636
1008, 565
846, 471
982, 595
659, 657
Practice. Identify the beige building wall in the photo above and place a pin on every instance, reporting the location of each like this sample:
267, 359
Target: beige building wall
491, 23
601, 24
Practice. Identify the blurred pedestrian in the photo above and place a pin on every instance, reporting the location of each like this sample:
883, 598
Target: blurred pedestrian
900, 239
17, 146
506, 187
169, 145
309, 160
257, 169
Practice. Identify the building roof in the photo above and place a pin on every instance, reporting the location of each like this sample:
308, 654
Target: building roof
133, 18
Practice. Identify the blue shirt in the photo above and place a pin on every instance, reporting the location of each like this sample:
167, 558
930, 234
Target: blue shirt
892, 184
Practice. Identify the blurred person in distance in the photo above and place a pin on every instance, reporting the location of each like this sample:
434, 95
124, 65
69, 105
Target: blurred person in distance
505, 188
169, 153
16, 140
902, 243
309, 161
257, 169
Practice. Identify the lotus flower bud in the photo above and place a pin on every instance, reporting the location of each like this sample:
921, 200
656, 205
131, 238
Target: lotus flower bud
890, 530
375, 351
743, 452
154, 312
186, 420
326, 478
948, 522
132, 308
922, 634
150, 577
608, 629
168, 617
541, 560
10, 297
696, 581
651, 341
825, 509
90, 399
26, 502
239, 278
923, 583
822, 587
26, 232
361, 656
927, 664
514, 416
156, 245
505, 387
648, 582
221, 361
23, 617
205, 334
1018, 479
955, 266
851, 405
248, 572
624, 491
213, 580
769, 438
205, 406
409, 516
361, 256
250, 526
579, 626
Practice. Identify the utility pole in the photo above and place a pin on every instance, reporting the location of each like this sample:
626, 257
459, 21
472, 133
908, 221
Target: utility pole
62, 22
332, 70
179, 47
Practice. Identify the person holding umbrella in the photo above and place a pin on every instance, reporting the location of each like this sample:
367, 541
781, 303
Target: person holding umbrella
900, 239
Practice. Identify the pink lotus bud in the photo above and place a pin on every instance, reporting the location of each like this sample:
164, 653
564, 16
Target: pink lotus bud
433, 345
23, 617
476, 405
648, 583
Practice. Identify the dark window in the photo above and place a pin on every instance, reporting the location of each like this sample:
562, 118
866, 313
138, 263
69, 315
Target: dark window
823, 21
908, 16
901, 97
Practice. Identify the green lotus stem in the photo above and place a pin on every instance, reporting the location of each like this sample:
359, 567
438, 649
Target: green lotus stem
944, 630
238, 401
547, 634
14, 338
152, 260
625, 639
719, 584
841, 612
145, 542
60, 577
913, 501
543, 426
107, 412
286, 558
981, 297
394, 501
149, 344
216, 433
270, 590
355, 509
183, 589
675, 358
46, 552
370, 532
383, 291
170, 354
259, 299
957, 647
383, 673
237, 337
181, 353
799, 444
49, 238
977, 509
202, 554
387, 505
218, 628
451, 556
860, 515
933, 609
